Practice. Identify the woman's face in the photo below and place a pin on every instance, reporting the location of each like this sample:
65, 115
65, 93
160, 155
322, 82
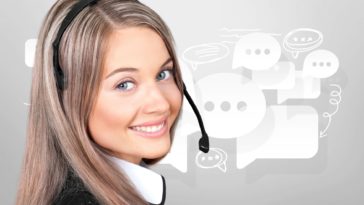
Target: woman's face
138, 99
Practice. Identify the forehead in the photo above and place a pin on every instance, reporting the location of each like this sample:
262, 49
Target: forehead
137, 47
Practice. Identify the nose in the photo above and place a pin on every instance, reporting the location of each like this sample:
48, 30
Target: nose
155, 100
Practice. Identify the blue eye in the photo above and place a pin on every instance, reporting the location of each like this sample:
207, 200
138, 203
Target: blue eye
126, 85
165, 74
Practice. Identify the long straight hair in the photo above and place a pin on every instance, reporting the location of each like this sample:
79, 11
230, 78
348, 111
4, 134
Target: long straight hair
59, 140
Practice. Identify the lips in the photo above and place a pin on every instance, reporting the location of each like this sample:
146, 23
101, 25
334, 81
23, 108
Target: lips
152, 131
151, 123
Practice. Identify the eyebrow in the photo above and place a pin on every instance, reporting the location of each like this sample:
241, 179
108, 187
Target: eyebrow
131, 69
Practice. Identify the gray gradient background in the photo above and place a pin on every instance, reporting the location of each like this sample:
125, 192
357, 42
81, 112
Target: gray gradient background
333, 176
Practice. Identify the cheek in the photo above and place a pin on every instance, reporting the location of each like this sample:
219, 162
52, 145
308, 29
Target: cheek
174, 97
107, 121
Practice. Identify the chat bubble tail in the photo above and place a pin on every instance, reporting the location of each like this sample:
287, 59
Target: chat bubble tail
295, 54
242, 162
243, 158
281, 99
177, 158
236, 65
194, 66
222, 167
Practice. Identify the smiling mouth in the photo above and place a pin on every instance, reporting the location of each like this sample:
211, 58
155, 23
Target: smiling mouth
149, 129
154, 131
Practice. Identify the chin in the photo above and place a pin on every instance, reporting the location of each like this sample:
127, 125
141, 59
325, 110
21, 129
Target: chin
154, 152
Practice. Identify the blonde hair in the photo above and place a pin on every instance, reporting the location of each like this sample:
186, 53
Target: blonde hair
59, 140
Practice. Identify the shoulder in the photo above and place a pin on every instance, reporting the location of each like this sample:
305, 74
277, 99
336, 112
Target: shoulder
74, 192
79, 198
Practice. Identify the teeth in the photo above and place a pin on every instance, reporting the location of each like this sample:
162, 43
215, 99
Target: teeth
154, 128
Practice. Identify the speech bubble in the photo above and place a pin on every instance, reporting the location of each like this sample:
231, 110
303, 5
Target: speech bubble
30, 47
231, 104
216, 157
295, 135
205, 53
306, 87
320, 64
256, 51
280, 76
302, 40
249, 144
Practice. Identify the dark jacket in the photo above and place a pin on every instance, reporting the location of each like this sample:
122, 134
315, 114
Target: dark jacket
75, 193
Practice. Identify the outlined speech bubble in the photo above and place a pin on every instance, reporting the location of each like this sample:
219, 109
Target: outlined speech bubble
256, 51
302, 40
205, 53
215, 158
320, 64
231, 104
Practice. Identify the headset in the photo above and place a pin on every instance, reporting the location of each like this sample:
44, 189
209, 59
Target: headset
61, 79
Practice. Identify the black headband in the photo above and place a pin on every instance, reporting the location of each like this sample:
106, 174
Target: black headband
62, 79
76, 9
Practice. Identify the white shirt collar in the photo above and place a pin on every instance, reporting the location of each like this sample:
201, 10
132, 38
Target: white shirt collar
147, 182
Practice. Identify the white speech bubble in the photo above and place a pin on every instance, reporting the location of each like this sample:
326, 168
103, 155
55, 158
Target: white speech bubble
295, 135
287, 132
320, 64
231, 104
256, 51
216, 157
205, 53
280, 76
302, 40
306, 87
30, 46
249, 144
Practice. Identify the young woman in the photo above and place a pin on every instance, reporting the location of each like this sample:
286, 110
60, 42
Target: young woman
106, 93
